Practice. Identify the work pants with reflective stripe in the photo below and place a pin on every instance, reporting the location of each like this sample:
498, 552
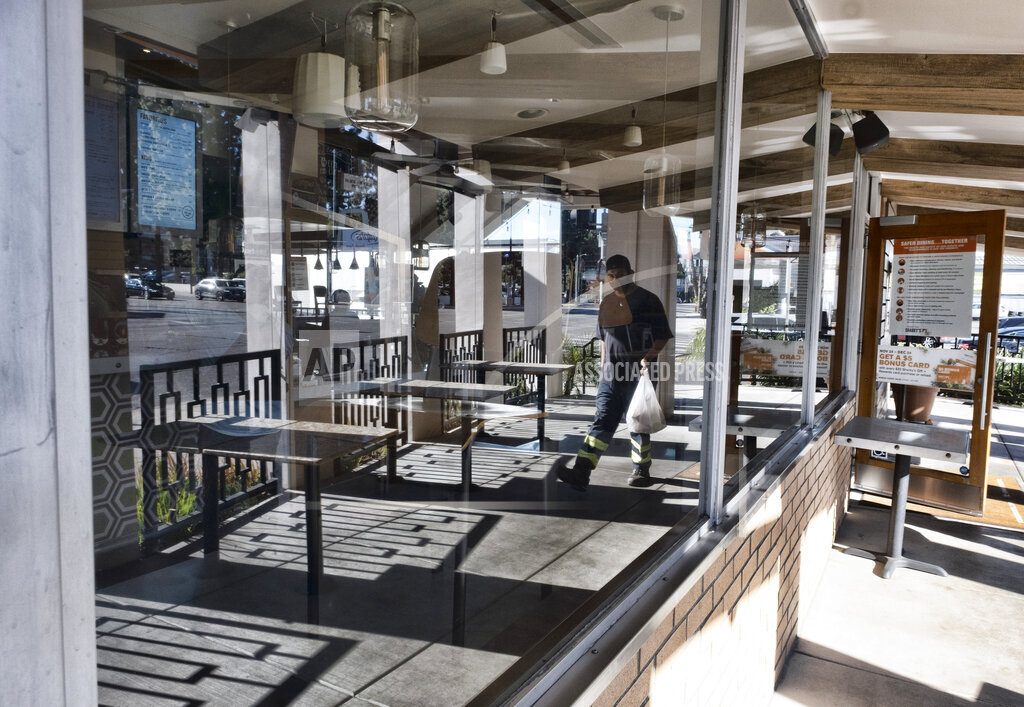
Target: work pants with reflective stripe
612, 401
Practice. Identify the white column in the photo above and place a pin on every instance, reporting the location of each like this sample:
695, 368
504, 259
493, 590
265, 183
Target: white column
264, 241
48, 653
395, 269
542, 275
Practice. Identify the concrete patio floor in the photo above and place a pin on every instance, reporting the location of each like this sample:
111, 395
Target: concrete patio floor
431, 594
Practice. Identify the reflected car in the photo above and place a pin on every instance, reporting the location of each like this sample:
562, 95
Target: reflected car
146, 288
1009, 339
220, 289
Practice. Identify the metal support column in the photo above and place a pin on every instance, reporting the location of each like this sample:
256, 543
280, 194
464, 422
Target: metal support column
816, 255
855, 275
728, 104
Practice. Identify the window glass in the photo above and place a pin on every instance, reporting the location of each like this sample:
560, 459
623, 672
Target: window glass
350, 408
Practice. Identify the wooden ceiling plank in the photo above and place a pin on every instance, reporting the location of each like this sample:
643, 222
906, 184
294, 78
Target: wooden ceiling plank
945, 83
972, 160
953, 196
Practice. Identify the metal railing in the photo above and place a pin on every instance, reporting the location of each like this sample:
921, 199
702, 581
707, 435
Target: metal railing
245, 385
386, 357
523, 344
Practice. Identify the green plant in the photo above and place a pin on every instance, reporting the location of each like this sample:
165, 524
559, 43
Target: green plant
584, 359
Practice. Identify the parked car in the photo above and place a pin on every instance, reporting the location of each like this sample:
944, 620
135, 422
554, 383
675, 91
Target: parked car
146, 288
1007, 322
220, 289
1009, 339
161, 275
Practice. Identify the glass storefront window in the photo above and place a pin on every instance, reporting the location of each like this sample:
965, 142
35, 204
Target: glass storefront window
345, 367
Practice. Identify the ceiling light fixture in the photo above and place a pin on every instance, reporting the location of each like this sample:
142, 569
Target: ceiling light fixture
420, 255
661, 172
835, 136
869, 133
633, 137
354, 265
383, 48
754, 225
564, 165
318, 265
531, 113
492, 60
336, 264
318, 91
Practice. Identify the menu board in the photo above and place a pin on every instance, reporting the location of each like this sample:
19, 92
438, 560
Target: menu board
166, 168
102, 165
932, 286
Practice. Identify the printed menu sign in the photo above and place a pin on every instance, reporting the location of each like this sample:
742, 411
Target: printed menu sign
166, 171
911, 365
932, 286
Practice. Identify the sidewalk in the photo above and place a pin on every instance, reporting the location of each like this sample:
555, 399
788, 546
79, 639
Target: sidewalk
914, 639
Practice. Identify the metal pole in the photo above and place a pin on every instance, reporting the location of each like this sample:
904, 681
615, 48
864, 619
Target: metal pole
855, 275
724, 180
816, 255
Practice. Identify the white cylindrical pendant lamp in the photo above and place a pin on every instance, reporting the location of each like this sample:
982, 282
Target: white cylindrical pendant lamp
633, 137
492, 60
318, 94
662, 185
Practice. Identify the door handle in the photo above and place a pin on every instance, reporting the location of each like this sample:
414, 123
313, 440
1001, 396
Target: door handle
984, 380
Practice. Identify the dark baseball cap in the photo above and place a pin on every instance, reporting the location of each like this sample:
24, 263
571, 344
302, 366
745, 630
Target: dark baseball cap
618, 262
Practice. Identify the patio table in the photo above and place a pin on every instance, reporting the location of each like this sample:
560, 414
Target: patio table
311, 444
751, 423
540, 371
903, 440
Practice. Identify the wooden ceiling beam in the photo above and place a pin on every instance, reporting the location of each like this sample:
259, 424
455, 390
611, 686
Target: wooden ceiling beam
952, 196
782, 211
1014, 224
970, 160
989, 84
755, 173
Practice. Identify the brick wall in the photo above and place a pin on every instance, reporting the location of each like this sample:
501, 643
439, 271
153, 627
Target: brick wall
727, 640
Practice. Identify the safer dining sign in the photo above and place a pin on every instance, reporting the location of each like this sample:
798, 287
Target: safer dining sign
932, 286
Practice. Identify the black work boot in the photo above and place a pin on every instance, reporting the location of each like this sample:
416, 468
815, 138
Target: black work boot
578, 479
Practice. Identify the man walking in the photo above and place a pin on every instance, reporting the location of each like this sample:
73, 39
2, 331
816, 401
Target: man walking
633, 329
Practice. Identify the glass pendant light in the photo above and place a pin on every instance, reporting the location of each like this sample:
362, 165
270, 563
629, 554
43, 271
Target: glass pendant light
382, 48
661, 172
755, 226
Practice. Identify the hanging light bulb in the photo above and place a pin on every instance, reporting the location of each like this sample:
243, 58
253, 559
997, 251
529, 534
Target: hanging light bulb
382, 44
318, 91
492, 59
318, 265
755, 226
633, 137
661, 172
336, 265
354, 265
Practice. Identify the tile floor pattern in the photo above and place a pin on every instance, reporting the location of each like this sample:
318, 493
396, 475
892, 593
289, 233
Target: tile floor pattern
424, 581
421, 581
